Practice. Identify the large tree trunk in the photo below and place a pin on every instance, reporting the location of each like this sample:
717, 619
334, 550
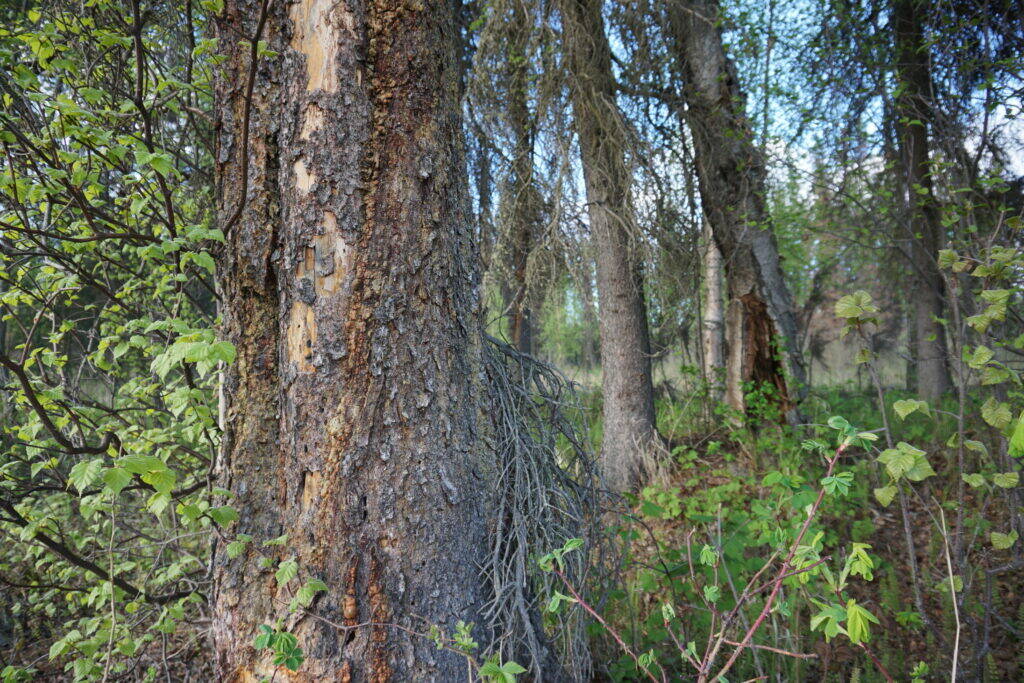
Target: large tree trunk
629, 429
349, 291
712, 314
913, 117
760, 323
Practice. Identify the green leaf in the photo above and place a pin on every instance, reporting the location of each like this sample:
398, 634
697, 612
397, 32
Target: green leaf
1017, 440
1006, 480
557, 599
161, 163
921, 470
223, 515
906, 461
979, 357
204, 260
1001, 541
855, 306
829, 621
280, 540
839, 483
668, 613
859, 563
162, 480
976, 446
908, 406
116, 478
897, 462
885, 494
974, 480
304, 597
857, 622
947, 257
265, 638
286, 571
838, 423
141, 464
996, 413
237, 546
158, 502
85, 473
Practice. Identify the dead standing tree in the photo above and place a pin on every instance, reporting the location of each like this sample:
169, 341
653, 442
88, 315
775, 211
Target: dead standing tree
761, 331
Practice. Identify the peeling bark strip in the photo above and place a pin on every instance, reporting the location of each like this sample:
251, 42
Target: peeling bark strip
350, 292
760, 322
629, 430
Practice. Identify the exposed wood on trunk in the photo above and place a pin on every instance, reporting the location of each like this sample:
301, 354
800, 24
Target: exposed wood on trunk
914, 115
629, 430
712, 313
760, 325
349, 289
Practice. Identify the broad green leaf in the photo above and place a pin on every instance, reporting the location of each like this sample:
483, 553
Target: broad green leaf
286, 571
829, 621
158, 502
855, 306
162, 480
921, 470
223, 515
974, 480
116, 478
237, 546
897, 462
1006, 480
85, 473
839, 483
304, 597
1001, 541
1017, 440
996, 413
979, 357
141, 464
858, 622
908, 406
885, 494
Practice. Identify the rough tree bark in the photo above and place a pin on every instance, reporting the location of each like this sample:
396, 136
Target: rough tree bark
913, 118
629, 429
761, 328
349, 291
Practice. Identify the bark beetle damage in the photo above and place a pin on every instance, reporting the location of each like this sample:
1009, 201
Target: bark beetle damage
760, 364
380, 669
350, 607
315, 37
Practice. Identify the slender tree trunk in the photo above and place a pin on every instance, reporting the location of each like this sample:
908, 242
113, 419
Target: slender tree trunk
713, 323
349, 291
590, 354
760, 323
486, 237
914, 115
524, 214
625, 343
